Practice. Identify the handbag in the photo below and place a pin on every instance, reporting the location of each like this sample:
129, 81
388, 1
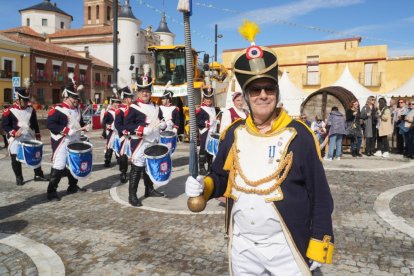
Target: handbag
351, 129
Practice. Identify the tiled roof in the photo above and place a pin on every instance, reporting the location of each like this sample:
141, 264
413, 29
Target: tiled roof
85, 40
46, 6
87, 31
23, 30
96, 61
44, 46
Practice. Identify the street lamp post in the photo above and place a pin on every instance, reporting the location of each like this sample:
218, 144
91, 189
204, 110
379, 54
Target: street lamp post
215, 41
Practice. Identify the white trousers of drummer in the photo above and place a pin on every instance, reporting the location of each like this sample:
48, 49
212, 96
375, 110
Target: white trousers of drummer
59, 158
138, 158
14, 142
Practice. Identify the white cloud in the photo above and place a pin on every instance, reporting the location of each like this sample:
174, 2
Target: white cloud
284, 12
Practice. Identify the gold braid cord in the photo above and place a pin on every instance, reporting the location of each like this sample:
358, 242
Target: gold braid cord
284, 167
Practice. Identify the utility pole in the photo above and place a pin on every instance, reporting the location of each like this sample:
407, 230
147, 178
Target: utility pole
115, 43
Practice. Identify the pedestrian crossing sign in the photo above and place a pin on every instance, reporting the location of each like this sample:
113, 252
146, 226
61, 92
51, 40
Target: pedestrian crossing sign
16, 81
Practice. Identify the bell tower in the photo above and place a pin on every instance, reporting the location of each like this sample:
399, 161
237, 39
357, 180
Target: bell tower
98, 13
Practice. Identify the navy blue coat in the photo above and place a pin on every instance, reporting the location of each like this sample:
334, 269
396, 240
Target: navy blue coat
307, 204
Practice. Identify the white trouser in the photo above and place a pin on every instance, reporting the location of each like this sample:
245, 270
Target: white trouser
252, 261
15, 141
60, 154
138, 158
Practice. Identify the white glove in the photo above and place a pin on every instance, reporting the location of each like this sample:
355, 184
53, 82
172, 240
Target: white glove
314, 265
170, 124
194, 187
174, 130
148, 130
71, 132
163, 125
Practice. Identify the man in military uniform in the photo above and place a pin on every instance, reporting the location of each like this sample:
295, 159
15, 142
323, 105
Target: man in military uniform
170, 113
269, 167
20, 123
111, 131
65, 123
143, 122
206, 119
126, 95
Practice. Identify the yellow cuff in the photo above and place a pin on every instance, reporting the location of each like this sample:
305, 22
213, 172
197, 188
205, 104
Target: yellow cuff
321, 251
208, 187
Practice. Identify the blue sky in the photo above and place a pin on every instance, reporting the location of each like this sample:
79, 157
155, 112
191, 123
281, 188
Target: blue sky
378, 22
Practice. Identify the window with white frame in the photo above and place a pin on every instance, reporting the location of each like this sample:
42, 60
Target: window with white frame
370, 69
312, 74
44, 22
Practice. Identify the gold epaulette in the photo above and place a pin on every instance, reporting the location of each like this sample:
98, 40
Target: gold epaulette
318, 149
223, 134
208, 187
321, 251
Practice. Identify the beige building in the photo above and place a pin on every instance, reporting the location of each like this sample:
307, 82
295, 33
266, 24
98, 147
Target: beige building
315, 65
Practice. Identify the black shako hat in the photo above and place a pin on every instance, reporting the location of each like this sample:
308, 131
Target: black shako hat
255, 62
208, 92
70, 90
22, 93
168, 94
125, 92
144, 82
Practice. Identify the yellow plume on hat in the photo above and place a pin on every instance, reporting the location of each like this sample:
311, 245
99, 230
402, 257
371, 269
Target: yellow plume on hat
248, 30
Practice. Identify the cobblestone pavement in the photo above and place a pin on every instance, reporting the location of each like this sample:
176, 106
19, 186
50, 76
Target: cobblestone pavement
97, 233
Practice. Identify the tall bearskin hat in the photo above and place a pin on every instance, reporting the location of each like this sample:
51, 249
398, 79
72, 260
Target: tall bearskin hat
22, 93
255, 62
71, 89
208, 92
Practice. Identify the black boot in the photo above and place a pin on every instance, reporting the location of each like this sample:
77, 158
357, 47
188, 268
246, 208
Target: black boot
55, 176
73, 184
134, 177
39, 176
353, 151
201, 164
123, 167
17, 169
149, 187
108, 156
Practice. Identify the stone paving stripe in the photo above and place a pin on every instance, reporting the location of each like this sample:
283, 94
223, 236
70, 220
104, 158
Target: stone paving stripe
382, 207
114, 195
46, 260
404, 166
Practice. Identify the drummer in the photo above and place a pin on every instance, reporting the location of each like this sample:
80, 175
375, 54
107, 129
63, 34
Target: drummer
65, 123
170, 113
206, 119
109, 123
233, 113
20, 123
143, 122
126, 95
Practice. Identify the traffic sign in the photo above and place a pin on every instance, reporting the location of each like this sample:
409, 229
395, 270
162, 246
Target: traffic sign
16, 81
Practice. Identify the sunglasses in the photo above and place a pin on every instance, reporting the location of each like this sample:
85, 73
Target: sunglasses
255, 91
400, 102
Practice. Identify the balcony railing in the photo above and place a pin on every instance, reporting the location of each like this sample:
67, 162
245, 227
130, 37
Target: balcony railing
4, 74
58, 77
311, 80
370, 80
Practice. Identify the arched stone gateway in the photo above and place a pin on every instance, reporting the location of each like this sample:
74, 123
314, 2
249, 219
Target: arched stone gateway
320, 102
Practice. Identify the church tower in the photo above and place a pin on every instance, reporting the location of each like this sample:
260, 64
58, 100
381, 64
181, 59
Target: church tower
166, 36
98, 13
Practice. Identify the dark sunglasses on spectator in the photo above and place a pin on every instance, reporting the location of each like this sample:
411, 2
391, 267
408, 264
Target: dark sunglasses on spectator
255, 91
411, 103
